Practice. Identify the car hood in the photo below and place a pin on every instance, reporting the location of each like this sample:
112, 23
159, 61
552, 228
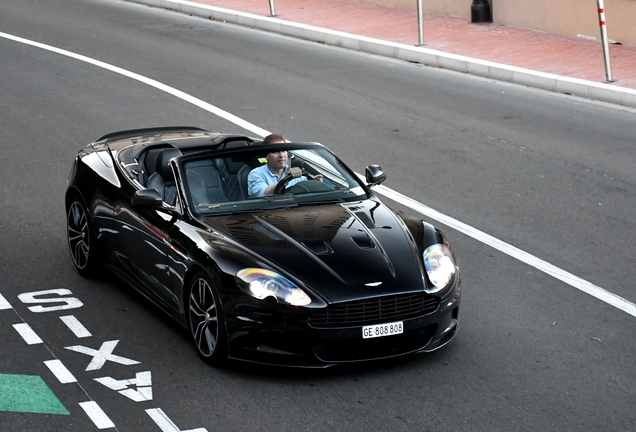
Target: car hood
341, 251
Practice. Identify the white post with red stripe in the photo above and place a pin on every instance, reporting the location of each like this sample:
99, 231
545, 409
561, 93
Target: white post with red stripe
601, 23
420, 24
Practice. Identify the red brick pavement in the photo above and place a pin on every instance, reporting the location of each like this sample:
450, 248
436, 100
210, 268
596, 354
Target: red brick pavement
530, 49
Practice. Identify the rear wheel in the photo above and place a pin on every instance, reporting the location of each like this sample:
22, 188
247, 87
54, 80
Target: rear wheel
81, 239
206, 321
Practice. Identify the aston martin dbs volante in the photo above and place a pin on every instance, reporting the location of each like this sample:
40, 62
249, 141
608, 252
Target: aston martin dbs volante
317, 273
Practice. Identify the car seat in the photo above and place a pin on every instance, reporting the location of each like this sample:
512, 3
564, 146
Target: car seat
163, 178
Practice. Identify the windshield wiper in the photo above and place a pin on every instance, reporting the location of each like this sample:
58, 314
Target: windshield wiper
279, 198
329, 201
218, 211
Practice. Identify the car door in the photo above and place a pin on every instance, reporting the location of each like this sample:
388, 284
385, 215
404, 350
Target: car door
145, 248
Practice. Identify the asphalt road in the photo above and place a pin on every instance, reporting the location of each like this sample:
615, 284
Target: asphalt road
550, 174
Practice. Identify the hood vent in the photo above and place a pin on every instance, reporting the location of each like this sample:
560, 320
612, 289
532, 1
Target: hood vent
362, 239
365, 219
267, 232
318, 247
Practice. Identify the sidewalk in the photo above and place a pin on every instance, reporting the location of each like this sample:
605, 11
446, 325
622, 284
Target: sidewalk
559, 63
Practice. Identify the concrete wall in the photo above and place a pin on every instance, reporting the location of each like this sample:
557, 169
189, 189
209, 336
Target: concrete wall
566, 17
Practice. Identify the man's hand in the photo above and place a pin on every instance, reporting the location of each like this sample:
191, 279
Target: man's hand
295, 172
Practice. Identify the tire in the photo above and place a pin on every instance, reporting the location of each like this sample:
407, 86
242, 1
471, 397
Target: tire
206, 320
81, 239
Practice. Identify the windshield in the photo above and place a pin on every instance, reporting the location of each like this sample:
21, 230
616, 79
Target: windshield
237, 182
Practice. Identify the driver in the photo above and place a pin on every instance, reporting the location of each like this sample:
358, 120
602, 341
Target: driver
262, 180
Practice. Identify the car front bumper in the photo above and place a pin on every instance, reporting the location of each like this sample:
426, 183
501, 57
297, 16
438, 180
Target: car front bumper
259, 335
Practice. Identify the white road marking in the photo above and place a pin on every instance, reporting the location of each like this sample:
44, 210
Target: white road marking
531, 260
142, 380
4, 304
165, 424
148, 81
75, 326
27, 333
60, 371
574, 281
67, 302
101, 356
97, 415
141, 394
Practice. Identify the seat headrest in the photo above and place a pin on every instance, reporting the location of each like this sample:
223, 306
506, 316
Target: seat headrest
163, 162
297, 162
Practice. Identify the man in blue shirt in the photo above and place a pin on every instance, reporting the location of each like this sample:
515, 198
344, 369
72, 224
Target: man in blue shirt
263, 180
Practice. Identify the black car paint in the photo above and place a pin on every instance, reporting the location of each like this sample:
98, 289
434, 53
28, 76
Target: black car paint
157, 250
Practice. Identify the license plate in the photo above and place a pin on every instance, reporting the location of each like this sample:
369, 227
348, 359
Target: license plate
381, 330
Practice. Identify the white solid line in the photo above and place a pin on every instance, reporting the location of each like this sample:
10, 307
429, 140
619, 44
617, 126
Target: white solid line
97, 415
4, 304
574, 281
75, 326
153, 83
27, 333
560, 274
165, 424
60, 371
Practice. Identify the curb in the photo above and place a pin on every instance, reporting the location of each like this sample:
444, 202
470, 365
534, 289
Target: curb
541, 80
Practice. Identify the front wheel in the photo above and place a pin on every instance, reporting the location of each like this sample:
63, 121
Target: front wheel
81, 239
206, 321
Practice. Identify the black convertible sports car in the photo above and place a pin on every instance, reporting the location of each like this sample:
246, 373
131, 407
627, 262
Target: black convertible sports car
318, 273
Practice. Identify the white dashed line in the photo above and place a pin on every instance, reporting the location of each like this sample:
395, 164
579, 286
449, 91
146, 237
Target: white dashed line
165, 424
75, 326
97, 415
4, 304
60, 371
27, 333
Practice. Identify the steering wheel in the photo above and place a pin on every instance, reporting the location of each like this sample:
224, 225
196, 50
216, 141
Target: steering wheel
282, 183
309, 176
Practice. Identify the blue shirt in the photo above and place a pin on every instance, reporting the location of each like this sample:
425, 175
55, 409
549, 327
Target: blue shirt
261, 178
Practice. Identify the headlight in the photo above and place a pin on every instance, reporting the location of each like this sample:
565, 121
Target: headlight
439, 264
261, 283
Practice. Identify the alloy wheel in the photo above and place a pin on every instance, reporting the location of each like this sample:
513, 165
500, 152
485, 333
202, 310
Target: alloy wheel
78, 231
204, 317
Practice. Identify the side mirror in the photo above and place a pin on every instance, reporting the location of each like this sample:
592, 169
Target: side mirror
374, 175
149, 198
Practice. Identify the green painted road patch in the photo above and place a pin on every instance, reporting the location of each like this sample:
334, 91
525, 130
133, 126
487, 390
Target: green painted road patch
28, 393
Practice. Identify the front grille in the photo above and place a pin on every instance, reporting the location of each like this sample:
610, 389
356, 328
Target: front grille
375, 310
